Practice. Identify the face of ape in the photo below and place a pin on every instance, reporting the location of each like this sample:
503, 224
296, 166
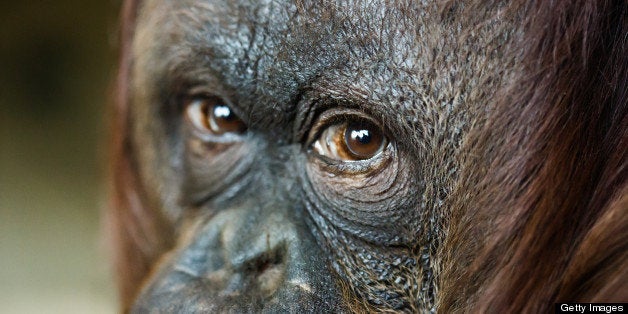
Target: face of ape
304, 153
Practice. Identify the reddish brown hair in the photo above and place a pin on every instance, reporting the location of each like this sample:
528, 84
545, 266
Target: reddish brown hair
137, 232
550, 223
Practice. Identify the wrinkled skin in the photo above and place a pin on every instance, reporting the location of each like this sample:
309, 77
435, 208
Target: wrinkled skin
262, 222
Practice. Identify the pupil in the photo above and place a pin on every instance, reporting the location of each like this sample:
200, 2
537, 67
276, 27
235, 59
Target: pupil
363, 136
223, 112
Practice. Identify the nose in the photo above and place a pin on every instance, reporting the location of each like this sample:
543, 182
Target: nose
245, 259
242, 255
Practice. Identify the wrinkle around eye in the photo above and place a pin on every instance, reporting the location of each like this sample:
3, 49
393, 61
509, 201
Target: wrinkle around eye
209, 171
377, 206
378, 185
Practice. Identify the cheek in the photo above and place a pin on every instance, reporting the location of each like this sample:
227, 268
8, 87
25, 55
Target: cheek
385, 276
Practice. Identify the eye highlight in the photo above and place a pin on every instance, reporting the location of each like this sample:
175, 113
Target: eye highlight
213, 115
351, 140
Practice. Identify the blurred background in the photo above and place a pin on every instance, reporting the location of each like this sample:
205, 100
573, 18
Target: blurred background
57, 63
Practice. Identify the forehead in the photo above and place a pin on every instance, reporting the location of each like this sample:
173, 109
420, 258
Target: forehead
366, 24
240, 36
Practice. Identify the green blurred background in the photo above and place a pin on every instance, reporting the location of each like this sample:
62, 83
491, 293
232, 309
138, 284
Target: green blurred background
57, 63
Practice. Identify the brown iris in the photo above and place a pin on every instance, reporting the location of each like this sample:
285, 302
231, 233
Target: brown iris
363, 139
350, 141
213, 115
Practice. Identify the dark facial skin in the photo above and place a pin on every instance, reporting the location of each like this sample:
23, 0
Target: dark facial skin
265, 220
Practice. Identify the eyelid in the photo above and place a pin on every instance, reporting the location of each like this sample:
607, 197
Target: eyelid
205, 91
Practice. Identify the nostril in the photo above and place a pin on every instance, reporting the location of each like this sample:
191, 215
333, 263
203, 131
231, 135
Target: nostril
270, 279
268, 271
264, 265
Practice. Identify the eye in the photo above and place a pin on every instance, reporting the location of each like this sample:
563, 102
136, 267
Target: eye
352, 140
213, 115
